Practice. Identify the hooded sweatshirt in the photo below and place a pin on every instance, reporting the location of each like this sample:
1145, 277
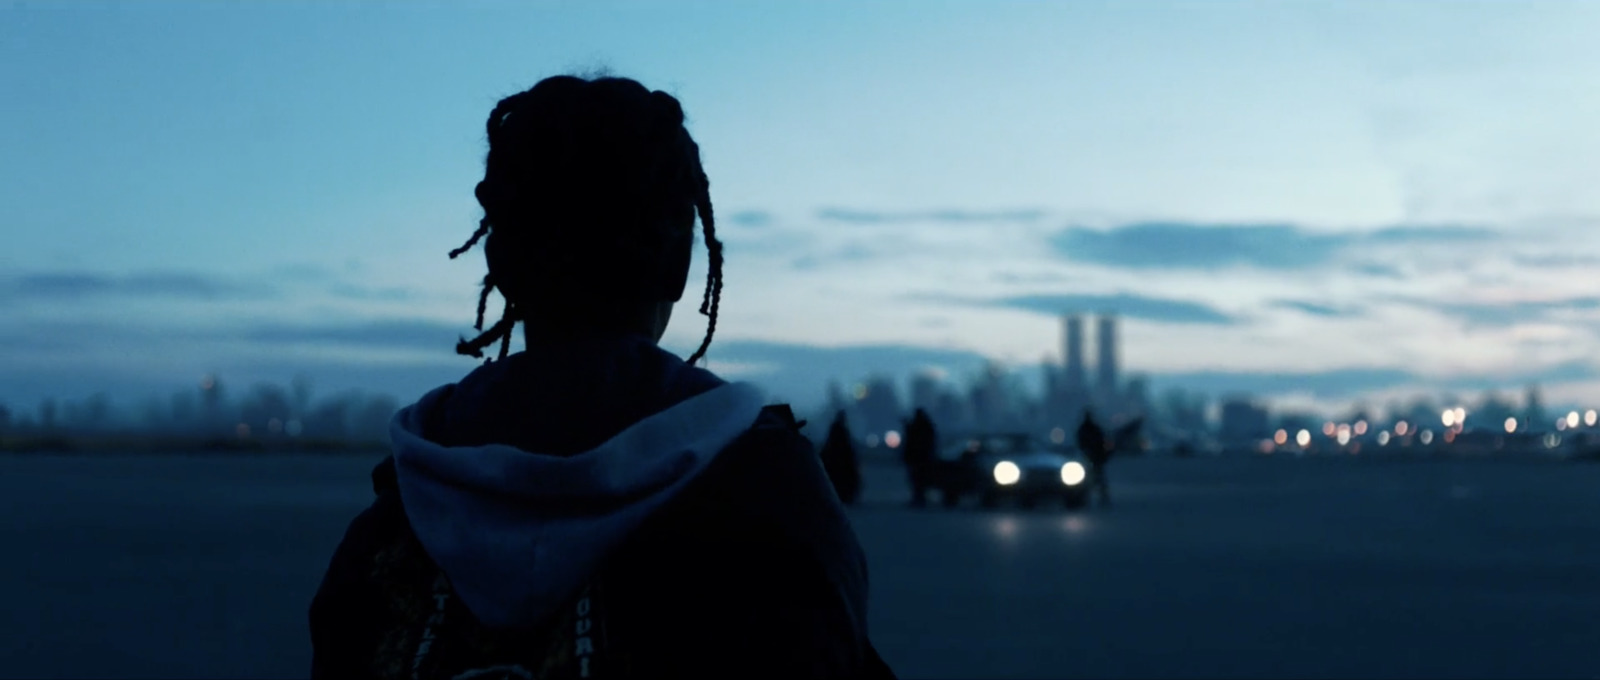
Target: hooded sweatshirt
519, 480
604, 455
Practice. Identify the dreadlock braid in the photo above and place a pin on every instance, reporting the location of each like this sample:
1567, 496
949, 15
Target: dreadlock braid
483, 230
501, 331
589, 185
713, 295
483, 300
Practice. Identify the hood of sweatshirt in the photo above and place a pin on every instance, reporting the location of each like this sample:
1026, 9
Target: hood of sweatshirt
520, 479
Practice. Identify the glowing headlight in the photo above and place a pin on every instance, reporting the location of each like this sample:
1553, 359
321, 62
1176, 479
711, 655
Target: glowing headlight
1073, 473
1007, 473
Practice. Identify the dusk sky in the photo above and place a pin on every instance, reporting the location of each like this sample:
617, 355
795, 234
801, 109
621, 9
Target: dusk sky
1313, 201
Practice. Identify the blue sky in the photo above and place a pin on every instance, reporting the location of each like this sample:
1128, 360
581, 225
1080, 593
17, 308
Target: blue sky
1313, 200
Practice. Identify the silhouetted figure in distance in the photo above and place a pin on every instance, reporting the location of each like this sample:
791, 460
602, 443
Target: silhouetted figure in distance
920, 454
840, 461
1096, 447
594, 505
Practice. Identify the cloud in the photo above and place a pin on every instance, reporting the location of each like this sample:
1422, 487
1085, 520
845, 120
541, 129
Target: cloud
1165, 310
1188, 245
946, 216
1315, 308
1041, 277
1411, 233
1557, 260
800, 373
751, 218
849, 253
1565, 372
1501, 314
385, 334
1331, 384
1378, 270
1348, 383
354, 292
77, 285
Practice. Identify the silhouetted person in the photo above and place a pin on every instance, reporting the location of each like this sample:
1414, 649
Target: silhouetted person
920, 454
594, 503
840, 462
1096, 448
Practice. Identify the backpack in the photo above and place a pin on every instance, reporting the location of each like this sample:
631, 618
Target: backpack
429, 634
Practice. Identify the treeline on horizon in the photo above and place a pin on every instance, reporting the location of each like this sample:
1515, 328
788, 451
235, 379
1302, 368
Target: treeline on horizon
207, 417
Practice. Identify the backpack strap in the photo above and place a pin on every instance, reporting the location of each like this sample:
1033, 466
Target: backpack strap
779, 415
384, 477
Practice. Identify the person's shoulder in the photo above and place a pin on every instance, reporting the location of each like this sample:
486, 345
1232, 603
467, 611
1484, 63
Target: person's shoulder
767, 487
772, 472
758, 545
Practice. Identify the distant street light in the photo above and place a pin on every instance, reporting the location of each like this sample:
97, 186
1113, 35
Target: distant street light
1511, 425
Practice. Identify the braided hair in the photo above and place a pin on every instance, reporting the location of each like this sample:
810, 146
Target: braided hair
589, 195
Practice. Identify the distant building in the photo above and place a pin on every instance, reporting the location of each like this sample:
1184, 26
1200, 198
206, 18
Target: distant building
1243, 419
1106, 379
1136, 397
836, 399
924, 390
1074, 379
878, 406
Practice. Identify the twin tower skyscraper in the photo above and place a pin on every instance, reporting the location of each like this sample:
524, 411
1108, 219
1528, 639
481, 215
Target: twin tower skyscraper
1075, 374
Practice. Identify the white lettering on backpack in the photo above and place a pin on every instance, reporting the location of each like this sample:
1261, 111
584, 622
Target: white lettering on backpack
441, 593
584, 644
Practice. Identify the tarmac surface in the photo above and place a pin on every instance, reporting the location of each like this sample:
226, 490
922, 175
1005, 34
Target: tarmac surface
195, 567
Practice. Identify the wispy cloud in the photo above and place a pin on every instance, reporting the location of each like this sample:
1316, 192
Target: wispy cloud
945, 216
67, 286
1348, 383
1557, 260
1378, 270
1164, 310
1316, 308
801, 373
751, 218
1499, 314
846, 254
391, 294
1331, 384
1187, 245
385, 334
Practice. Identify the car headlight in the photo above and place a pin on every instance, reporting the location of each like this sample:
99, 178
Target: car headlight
1007, 473
1073, 474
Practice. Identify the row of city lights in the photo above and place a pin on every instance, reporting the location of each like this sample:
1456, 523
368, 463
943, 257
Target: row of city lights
1453, 420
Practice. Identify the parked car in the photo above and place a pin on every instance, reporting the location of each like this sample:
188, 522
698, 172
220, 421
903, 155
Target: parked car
999, 468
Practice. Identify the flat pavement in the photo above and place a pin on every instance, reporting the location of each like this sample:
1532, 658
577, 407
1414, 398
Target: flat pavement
195, 567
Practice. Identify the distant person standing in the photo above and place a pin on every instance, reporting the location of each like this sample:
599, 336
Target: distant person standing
921, 445
1096, 448
840, 462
